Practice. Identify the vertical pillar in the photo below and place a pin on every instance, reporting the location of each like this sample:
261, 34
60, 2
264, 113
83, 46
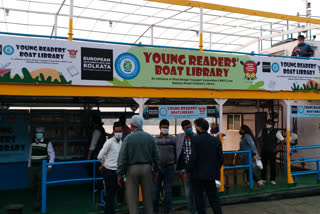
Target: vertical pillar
44, 187
221, 102
287, 28
271, 33
141, 102
56, 25
289, 176
210, 42
261, 41
151, 35
201, 30
70, 34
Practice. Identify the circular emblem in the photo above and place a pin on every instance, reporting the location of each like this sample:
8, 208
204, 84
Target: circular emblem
163, 112
301, 109
127, 66
275, 67
8, 50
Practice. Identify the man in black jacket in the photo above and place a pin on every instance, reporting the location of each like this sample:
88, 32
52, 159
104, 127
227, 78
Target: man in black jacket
204, 166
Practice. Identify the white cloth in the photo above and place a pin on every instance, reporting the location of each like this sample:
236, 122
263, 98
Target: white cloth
94, 140
278, 135
108, 155
51, 154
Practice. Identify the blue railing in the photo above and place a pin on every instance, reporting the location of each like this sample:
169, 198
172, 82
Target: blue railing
45, 164
243, 166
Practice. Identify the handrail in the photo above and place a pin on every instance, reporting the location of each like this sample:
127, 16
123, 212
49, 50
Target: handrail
307, 158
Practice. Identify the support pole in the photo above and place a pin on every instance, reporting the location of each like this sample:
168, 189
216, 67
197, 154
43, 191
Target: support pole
141, 102
210, 42
151, 29
56, 25
201, 30
289, 175
221, 102
70, 34
44, 187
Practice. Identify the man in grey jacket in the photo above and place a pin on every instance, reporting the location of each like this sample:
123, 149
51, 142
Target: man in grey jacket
166, 144
138, 155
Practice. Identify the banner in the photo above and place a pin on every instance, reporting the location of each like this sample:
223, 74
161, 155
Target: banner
44, 61
179, 111
305, 111
14, 138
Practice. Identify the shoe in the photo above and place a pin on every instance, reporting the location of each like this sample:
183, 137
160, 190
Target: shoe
264, 181
273, 182
260, 183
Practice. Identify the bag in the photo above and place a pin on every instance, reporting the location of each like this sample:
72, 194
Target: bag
218, 184
257, 163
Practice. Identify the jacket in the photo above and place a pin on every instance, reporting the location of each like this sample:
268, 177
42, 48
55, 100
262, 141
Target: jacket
167, 150
180, 139
247, 143
206, 157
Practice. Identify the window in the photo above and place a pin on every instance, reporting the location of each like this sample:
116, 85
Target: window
234, 121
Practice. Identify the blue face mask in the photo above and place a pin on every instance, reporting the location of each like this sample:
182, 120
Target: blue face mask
39, 136
188, 131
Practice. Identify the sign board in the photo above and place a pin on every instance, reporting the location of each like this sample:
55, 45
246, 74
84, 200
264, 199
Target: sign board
44, 61
179, 111
14, 138
305, 111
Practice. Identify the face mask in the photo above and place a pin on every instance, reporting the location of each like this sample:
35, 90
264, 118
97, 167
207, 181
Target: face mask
240, 133
164, 131
188, 131
300, 42
118, 135
268, 126
198, 132
39, 136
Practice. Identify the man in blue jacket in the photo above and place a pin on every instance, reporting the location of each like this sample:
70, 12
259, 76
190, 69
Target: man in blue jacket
204, 166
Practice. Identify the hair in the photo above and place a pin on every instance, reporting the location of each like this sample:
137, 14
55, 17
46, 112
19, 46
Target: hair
301, 36
116, 124
248, 131
122, 119
270, 121
202, 123
164, 122
185, 123
97, 120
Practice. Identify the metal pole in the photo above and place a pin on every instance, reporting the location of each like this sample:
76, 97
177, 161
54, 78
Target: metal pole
271, 33
250, 169
44, 187
56, 25
201, 30
210, 42
141, 102
70, 34
151, 35
94, 183
287, 28
289, 175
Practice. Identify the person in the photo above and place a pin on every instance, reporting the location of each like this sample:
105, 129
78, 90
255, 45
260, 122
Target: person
302, 49
215, 131
108, 156
270, 138
166, 144
139, 153
204, 166
40, 149
125, 129
247, 143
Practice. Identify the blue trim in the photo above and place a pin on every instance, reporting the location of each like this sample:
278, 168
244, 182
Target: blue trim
294, 159
44, 186
73, 180
153, 46
239, 166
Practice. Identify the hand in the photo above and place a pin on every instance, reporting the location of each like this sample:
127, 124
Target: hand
48, 169
120, 181
155, 176
255, 157
100, 168
185, 176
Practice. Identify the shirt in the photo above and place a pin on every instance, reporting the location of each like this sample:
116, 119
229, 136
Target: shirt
94, 140
304, 48
278, 135
108, 155
50, 151
187, 150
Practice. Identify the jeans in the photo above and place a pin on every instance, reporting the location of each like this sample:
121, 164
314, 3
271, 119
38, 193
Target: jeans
166, 176
111, 186
268, 157
189, 194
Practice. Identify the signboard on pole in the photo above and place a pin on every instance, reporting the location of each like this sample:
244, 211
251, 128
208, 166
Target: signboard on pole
305, 111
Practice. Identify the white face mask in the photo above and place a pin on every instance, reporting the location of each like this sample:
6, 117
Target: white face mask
164, 131
269, 126
118, 135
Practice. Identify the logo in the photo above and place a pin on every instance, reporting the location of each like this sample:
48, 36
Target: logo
163, 112
275, 67
0, 49
250, 69
127, 66
266, 66
8, 50
202, 110
294, 109
301, 109
72, 53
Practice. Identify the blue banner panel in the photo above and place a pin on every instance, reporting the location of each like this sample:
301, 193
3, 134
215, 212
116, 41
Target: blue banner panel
305, 111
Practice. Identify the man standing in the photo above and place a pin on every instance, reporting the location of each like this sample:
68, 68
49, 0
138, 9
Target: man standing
108, 156
40, 149
125, 129
302, 49
270, 137
183, 153
204, 165
166, 144
138, 155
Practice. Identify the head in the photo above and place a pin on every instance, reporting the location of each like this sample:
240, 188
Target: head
202, 125
39, 133
122, 119
164, 126
214, 128
300, 40
187, 127
244, 129
117, 130
137, 122
96, 120
269, 124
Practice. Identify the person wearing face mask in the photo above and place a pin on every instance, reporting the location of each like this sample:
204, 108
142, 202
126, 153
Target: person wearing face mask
270, 138
108, 156
40, 149
166, 144
302, 49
